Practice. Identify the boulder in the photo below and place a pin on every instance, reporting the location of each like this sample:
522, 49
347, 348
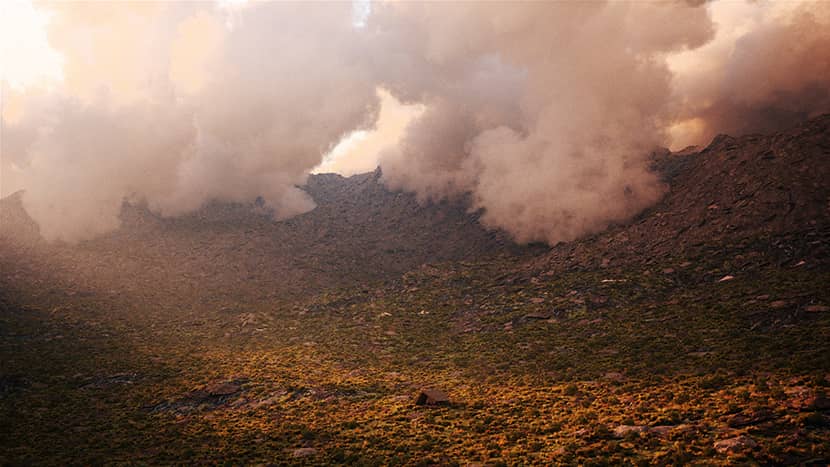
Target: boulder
614, 376
432, 397
624, 430
304, 452
735, 445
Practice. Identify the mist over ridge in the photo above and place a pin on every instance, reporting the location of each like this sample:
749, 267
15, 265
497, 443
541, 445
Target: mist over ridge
543, 114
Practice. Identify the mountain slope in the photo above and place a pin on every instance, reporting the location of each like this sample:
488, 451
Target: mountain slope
359, 232
735, 189
698, 333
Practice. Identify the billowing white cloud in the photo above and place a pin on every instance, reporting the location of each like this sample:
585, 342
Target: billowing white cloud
543, 113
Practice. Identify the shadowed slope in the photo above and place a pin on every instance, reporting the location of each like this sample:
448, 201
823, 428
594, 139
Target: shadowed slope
360, 232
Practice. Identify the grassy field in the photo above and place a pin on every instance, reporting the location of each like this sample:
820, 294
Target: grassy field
653, 363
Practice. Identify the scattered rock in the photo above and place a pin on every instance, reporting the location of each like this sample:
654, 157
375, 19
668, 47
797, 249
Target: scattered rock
735, 445
624, 430
210, 397
614, 376
432, 397
742, 419
106, 381
816, 308
738, 420
599, 300
222, 389
267, 401
803, 398
304, 452
661, 430
817, 402
684, 428
582, 433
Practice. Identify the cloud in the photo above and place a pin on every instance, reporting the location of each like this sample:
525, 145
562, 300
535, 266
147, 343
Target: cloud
545, 113
542, 114
163, 105
768, 67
